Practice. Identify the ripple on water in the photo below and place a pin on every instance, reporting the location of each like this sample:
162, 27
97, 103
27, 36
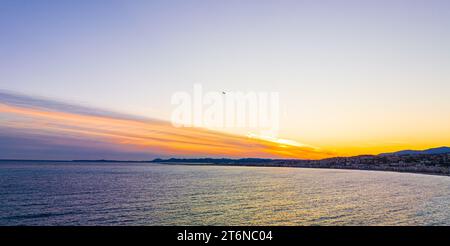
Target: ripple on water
154, 194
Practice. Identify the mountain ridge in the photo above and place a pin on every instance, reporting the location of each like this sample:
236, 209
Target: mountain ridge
437, 150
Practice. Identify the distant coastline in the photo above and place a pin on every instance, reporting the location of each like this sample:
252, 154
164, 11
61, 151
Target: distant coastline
433, 161
414, 170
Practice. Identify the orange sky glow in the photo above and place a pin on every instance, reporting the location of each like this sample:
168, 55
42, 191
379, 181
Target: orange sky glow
157, 136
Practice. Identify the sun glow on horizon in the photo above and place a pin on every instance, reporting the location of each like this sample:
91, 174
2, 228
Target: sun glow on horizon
130, 134
141, 136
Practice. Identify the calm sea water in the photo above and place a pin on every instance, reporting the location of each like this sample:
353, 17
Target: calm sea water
153, 194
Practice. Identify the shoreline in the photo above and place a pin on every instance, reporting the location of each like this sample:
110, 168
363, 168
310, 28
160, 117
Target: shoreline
285, 166
253, 164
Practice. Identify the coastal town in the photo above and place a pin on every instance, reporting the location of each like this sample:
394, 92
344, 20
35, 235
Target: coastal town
437, 164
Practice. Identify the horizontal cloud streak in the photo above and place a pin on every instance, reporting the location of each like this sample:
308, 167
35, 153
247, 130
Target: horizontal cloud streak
64, 131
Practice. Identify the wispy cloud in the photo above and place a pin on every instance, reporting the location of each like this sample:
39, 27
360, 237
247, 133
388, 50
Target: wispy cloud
34, 127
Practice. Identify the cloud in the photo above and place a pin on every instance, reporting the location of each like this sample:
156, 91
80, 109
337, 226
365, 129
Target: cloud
39, 128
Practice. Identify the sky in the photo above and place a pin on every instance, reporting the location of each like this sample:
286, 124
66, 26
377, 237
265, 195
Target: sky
354, 77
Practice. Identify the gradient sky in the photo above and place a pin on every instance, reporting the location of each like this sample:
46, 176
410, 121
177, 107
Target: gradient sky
354, 77
38, 128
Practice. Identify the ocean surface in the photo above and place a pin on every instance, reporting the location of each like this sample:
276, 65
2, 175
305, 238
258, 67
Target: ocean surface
52, 193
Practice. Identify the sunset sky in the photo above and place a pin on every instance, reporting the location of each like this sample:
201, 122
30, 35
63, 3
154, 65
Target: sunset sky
94, 79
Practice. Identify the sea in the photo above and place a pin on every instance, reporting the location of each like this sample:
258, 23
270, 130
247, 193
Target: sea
121, 193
